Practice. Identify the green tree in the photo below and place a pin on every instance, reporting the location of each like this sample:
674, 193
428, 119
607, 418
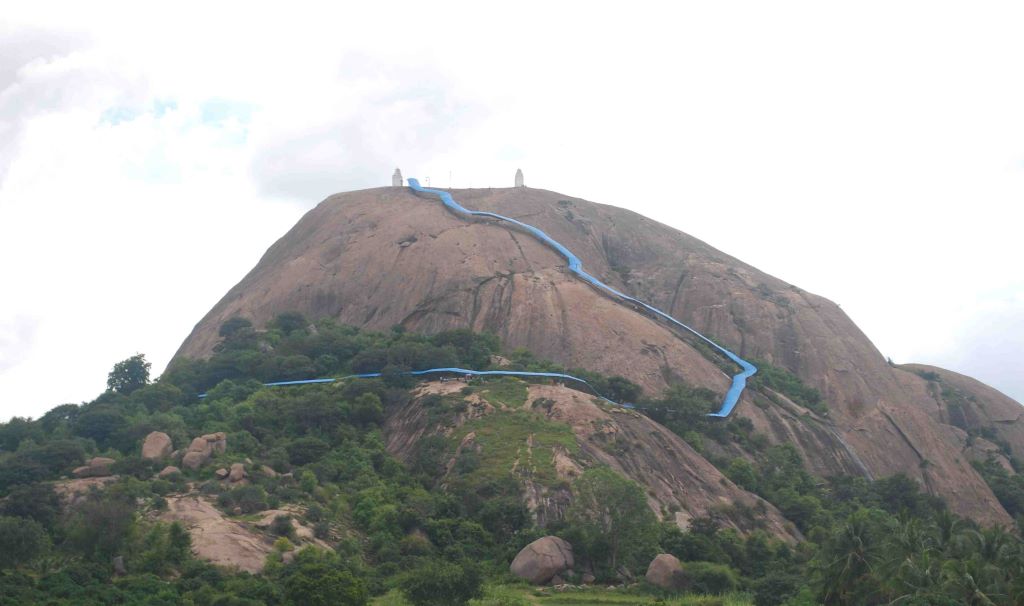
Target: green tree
129, 375
612, 515
852, 556
290, 321
440, 583
35, 501
234, 325
368, 409
21, 541
317, 578
99, 527
104, 424
306, 450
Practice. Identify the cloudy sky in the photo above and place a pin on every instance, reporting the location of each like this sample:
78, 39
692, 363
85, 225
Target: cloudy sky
871, 152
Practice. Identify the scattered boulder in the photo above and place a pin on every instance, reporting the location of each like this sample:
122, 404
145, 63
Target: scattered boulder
168, 471
221, 473
588, 579
218, 441
665, 571
203, 447
268, 471
157, 446
97, 467
194, 460
119, 568
543, 559
237, 473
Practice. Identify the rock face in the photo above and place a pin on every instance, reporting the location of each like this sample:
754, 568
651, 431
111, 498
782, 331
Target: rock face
157, 446
215, 538
345, 260
202, 448
72, 492
676, 478
543, 559
97, 467
665, 571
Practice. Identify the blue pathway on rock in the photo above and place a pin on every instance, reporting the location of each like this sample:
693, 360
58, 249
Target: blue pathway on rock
739, 381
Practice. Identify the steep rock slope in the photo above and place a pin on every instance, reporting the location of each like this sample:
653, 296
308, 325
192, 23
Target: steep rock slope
680, 484
380, 257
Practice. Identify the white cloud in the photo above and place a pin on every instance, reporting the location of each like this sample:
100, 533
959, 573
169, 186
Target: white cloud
869, 153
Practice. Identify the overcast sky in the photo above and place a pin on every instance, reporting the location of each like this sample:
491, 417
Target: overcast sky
870, 152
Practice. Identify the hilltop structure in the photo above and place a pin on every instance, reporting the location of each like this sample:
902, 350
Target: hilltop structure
396, 178
519, 178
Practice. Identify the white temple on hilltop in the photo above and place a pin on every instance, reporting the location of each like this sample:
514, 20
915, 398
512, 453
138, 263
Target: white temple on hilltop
519, 178
396, 179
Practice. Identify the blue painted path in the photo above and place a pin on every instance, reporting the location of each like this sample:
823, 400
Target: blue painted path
739, 381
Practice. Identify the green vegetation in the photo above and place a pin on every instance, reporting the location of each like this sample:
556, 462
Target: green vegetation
506, 391
610, 522
789, 385
449, 522
1008, 488
520, 440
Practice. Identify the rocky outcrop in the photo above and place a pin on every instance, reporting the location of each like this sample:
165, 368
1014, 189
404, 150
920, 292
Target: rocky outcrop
543, 559
202, 448
157, 446
680, 484
97, 467
168, 472
72, 492
344, 260
665, 571
216, 538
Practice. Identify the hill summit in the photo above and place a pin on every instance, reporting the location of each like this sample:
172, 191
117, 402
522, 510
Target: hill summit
385, 257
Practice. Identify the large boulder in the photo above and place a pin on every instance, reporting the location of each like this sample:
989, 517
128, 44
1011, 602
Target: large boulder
168, 472
157, 446
218, 441
97, 467
237, 472
194, 460
201, 446
665, 571
204, 447
543, 559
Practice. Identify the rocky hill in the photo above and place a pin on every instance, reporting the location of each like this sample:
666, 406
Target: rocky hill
385, 257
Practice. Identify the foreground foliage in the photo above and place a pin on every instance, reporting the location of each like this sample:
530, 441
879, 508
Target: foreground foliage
447, 526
